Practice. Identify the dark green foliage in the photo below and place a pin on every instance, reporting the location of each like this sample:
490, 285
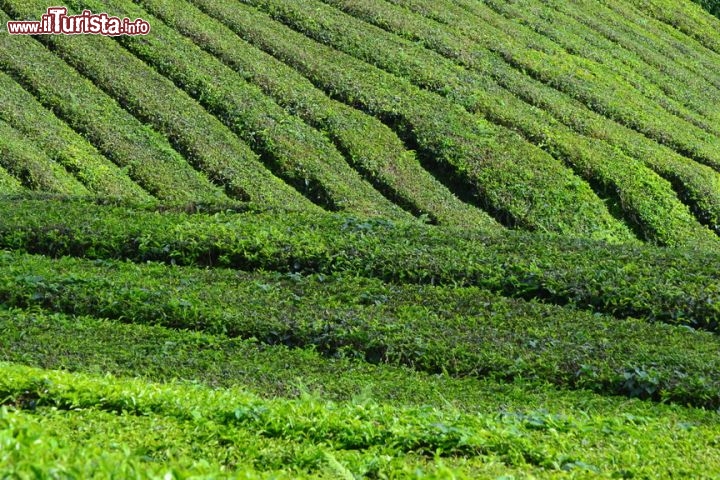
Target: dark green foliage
459, 331
712, 6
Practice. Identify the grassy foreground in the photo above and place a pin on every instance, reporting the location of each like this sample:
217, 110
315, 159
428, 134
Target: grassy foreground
201, 431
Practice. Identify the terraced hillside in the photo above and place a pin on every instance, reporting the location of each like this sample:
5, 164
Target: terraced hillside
362, 239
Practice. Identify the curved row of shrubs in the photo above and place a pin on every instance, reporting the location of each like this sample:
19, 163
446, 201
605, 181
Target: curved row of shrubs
299, 154
657, 284
667, 84
19, 109
697, 185
148, 157
231, 432
657, 44
597, 86
647, 201
459, 331
370, 146
692, 22
519, 184
200, 137
32, 167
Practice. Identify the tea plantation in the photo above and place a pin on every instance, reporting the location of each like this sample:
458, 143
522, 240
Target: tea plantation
362, 239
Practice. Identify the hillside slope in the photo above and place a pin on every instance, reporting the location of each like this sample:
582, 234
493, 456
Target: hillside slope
362, 239
488, 109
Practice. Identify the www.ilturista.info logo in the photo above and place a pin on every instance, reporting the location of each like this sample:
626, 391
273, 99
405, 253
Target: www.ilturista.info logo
56, 21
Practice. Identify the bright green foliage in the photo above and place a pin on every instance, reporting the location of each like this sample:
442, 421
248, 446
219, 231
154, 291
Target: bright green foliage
293, 150
149, 158
314, 434
371, 146
648, 202
32, 167
673, 285
52, 443
508, 176
23, 112
8, 183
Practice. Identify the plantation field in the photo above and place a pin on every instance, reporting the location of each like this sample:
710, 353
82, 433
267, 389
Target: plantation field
362, 239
